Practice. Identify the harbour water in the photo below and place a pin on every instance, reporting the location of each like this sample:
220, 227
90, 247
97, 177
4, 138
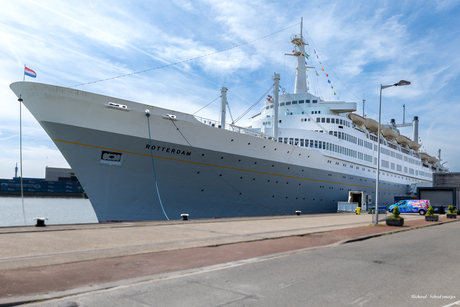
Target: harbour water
56, 210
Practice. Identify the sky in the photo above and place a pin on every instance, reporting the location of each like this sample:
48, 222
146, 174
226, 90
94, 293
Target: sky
178, 54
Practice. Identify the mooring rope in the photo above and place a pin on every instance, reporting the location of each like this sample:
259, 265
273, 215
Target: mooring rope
153, 165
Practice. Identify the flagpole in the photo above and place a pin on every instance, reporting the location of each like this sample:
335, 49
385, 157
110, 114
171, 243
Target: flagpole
20, 158
24, 74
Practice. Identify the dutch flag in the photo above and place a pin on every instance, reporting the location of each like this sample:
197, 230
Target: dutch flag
29, 72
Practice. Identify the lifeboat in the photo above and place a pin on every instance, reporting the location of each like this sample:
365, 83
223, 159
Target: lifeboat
403, 140
424, 157
358, 120
414, 145
371, 124
389, 133
432, 160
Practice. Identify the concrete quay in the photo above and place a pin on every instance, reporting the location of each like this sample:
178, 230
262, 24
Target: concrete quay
46, 262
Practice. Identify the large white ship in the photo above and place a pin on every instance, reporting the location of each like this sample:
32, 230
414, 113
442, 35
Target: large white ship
299, 153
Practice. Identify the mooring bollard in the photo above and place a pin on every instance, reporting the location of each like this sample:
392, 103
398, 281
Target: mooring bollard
40, 221
184, 216
298, 212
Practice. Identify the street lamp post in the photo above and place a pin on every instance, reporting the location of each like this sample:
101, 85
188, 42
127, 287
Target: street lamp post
400, 83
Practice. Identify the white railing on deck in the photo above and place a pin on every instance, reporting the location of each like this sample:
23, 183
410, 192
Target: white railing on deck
231, 127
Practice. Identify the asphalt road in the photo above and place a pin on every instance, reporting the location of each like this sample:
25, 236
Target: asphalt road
413, 268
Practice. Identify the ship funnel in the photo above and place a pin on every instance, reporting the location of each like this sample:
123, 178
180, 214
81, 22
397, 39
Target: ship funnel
415, 129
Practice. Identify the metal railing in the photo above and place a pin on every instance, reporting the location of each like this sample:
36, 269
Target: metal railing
231, 127
344, 206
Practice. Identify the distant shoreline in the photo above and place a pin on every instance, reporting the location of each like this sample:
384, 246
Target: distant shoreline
43, 194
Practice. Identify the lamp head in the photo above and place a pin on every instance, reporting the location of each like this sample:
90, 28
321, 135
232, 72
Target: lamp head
402, 82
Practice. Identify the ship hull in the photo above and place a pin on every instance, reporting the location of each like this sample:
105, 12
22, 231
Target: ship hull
184, 166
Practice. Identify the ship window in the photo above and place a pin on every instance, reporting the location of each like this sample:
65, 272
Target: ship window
341, 122
306, 142
280, 139
335, 133
332, 120
315, 101
301, 119
318, 119
281, 104
307, 101
271, 106
285, 140
301, 101
319, 112
291, 140
323, 120
316, 144
296, 141
288, 103
328, 120
267, 107
320, 144
294, 102
301, 143
311, 143
331, 132
312, 112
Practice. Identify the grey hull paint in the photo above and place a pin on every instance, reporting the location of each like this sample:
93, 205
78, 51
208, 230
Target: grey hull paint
202, 183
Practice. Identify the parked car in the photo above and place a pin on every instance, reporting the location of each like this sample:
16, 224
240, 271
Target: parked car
411, 206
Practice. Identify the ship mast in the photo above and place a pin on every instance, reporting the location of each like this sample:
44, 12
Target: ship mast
301, 73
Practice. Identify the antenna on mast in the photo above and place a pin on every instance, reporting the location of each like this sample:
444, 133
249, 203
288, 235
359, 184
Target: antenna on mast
301, 27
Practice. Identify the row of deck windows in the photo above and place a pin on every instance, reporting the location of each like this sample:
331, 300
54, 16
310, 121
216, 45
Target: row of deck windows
288, 103
299, 102
320, 145
327, 120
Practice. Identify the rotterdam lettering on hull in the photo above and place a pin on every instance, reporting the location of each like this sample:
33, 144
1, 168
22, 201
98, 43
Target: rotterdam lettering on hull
169, 150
